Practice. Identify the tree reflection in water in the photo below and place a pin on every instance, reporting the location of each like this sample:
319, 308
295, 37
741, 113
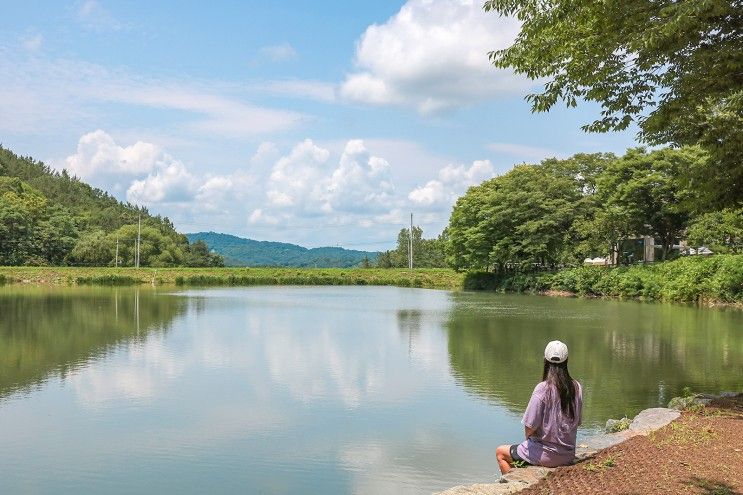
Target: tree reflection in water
628, 355
50, 331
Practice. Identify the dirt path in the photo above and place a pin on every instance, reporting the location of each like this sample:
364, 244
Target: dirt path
699, 453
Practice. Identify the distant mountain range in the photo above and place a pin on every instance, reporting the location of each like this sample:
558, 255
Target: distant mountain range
248, 252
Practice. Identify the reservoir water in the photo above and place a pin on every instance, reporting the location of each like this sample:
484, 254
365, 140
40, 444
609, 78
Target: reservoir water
316, 389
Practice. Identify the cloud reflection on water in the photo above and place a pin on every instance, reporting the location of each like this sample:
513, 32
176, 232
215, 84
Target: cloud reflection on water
359, 389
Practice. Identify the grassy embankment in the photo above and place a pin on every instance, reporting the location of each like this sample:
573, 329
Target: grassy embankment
426, 277
710, 280
713, 280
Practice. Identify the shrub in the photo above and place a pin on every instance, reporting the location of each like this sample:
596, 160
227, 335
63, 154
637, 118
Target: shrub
108, 280
691, 403
480, 281
616, 425
586, 279
630, 285
565, 280
205, 280
726, 282
690, 279
651, 288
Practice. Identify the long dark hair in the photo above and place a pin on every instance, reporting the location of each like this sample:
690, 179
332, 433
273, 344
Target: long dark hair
557, 374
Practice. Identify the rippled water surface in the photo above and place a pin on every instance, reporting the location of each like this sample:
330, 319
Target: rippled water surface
315, 389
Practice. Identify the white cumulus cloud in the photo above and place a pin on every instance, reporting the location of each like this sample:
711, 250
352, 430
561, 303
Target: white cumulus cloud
297, 179
307, 183
146, 172
361, 183
220, 193
172, 183
432, 55
98, 153
103, 163
452, 182
311, 193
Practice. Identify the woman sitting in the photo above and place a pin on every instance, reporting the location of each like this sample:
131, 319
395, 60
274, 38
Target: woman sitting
551, 419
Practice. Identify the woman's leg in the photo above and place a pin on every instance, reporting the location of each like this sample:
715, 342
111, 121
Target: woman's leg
503, 454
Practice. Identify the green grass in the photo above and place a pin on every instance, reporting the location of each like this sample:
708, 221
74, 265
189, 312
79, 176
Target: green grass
714, 279
432, 278
608, 462
109, 279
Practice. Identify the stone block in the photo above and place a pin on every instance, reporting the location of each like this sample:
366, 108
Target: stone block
517, 480
652, 419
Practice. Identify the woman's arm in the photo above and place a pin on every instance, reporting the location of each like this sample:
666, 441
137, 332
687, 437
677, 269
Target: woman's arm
534, 413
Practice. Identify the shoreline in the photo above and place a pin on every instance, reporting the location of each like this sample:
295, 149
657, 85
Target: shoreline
429, 278
704, 303
598, 455
707, 281
425, 278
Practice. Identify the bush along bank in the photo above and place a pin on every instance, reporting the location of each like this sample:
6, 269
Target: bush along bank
711, 280
431, 278
303, 277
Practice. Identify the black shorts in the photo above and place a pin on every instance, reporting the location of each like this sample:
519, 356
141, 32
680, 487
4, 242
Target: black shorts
515, 455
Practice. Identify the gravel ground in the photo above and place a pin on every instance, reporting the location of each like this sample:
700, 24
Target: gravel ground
699, 453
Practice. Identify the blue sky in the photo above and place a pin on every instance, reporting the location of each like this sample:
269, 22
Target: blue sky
319, 123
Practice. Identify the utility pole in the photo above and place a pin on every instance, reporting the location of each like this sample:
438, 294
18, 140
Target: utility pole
139, 237
116, 261
410, 244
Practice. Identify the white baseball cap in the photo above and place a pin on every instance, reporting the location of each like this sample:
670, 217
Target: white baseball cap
556, 352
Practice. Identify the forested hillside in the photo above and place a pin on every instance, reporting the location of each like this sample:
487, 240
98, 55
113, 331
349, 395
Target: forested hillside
50, 218
248, 252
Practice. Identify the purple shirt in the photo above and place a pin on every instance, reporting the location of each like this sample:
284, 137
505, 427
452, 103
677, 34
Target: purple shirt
553, 441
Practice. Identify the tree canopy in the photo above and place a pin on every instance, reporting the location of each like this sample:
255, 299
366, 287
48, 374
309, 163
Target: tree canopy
721, 230
675, 67
50, 218
558, 212
524, 217
427, 253
650, 192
